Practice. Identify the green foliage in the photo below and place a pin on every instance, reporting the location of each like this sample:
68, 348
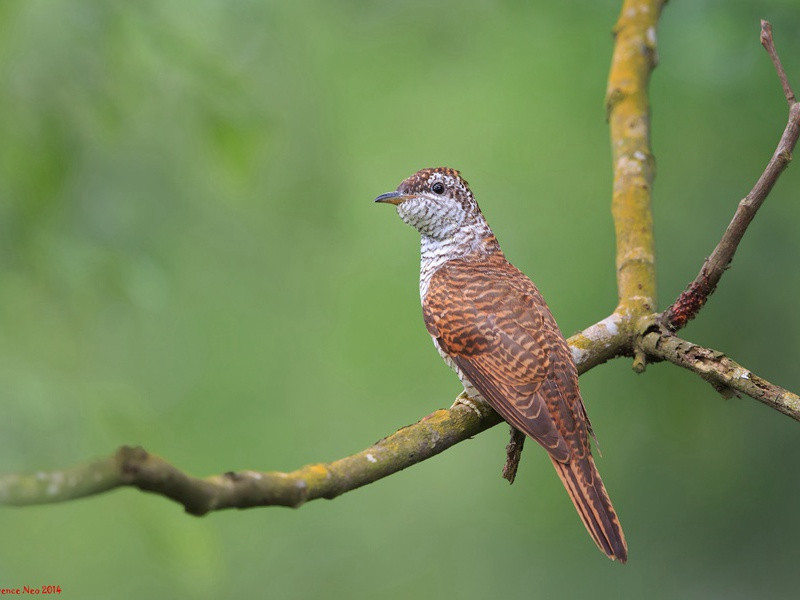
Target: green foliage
190, 260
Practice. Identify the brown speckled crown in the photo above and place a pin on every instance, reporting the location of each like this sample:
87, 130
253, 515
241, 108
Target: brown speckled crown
422, 180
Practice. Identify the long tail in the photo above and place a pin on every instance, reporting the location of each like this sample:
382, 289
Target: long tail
590, 498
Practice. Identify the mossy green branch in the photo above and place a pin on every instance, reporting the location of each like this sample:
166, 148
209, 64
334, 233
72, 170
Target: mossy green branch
135, 467
603, 341
628, 111
46, 487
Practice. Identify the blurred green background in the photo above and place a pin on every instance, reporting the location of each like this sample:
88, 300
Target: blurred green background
190, 260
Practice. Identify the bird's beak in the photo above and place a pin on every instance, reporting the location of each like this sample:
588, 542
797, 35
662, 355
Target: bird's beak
392, 198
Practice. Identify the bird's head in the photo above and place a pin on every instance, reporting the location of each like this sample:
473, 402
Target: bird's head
436, 202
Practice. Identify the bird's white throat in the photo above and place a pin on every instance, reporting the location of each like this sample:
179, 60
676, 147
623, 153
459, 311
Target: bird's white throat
434, 253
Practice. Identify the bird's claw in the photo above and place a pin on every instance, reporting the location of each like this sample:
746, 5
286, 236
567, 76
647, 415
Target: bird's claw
474, 404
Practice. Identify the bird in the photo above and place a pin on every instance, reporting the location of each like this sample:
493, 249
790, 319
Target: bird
491, 325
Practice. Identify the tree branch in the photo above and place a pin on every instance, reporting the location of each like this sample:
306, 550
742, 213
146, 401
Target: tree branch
628, 111
726, 376
691, 300
135, 467
769, 46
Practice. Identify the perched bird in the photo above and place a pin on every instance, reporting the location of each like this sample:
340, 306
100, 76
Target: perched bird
491, 325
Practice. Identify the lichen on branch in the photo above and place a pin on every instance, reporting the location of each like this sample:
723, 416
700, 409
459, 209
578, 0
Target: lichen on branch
628, 111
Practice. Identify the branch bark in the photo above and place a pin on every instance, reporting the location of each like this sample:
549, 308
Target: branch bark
628, 111
728, 377
769, 45
135, 467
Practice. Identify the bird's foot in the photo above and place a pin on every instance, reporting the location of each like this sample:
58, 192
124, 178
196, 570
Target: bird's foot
513, 454
477, 405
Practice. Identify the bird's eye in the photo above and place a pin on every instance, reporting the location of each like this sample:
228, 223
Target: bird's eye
438, 188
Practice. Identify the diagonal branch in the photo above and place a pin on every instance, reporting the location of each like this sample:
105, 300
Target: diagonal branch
727, 376
135, 467
695, 296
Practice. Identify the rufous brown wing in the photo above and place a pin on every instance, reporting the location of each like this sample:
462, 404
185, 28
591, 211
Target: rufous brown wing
490, 319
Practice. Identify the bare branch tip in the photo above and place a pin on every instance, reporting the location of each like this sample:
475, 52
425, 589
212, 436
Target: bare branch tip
766, 32
639, 361
769, 45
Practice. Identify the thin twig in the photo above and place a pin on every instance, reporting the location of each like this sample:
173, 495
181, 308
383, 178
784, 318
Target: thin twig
769, 46
691, 300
